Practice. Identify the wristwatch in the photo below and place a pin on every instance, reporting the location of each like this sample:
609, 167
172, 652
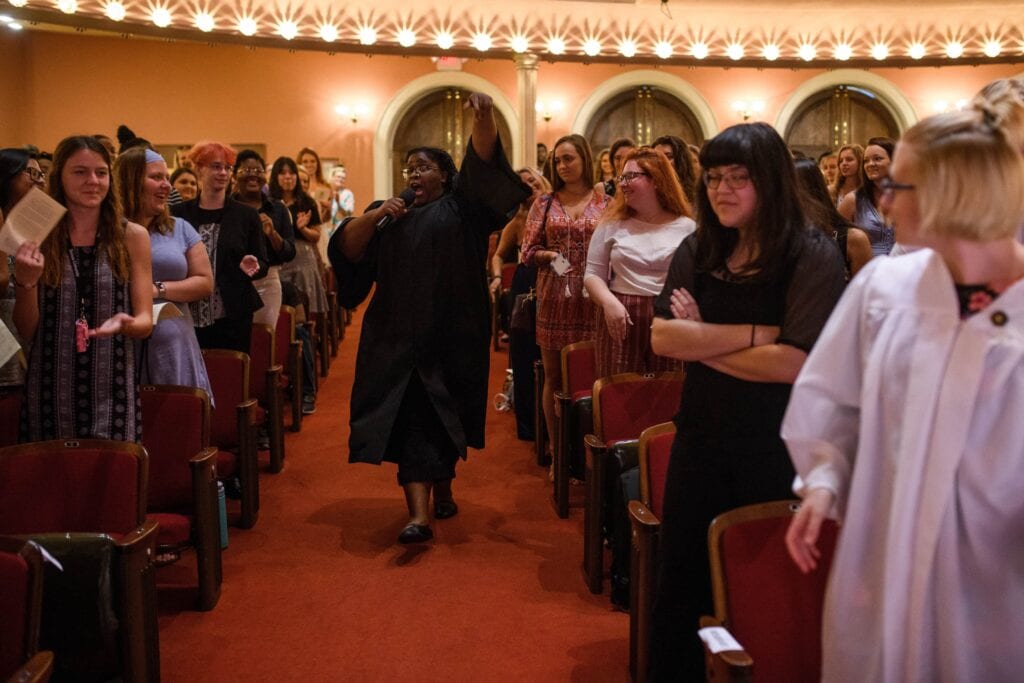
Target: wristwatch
161, 289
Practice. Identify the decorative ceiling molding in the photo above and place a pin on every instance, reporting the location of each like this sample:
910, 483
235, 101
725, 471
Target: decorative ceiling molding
737, 33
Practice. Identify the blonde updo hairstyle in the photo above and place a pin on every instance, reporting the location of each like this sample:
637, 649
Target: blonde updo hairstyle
969, 174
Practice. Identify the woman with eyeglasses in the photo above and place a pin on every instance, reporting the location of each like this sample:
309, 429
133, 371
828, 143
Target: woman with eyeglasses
558, 232
745, 299
181, 271
628, 260
82, 296
863, 206
915, 441
233, 235
278, 232
420, 392
19, 173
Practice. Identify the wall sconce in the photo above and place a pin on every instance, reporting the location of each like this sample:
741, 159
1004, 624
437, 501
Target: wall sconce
747, 108
353, 112
548, 110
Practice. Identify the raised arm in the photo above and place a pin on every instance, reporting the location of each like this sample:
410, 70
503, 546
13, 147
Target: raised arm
485, 130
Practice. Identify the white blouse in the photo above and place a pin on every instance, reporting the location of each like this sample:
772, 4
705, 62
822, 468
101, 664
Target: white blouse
632, 256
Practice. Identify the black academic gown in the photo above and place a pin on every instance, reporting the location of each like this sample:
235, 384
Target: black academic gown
430, 310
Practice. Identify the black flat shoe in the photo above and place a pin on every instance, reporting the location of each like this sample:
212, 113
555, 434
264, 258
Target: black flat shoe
443, 509
415, 533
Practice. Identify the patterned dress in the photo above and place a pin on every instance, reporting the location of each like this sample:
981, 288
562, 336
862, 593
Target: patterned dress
93, 394
564, 314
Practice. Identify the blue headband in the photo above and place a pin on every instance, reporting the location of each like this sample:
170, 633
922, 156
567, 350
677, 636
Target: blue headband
152, 156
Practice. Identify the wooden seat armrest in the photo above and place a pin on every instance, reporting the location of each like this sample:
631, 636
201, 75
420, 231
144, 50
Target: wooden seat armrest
140, 640
275, 418
642, 518
36, 670
734, 666
562, 401
248, 464
593, 545
206, 530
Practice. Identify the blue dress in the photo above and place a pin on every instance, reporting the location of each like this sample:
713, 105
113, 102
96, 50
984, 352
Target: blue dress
171, 355
867, 218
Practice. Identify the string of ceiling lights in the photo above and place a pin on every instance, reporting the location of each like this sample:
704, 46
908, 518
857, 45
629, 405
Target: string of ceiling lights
963, 45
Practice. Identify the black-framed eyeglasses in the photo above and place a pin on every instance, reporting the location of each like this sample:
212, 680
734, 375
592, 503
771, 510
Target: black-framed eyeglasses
736, 180
888, 186
35, 175
630, 176
417, 170
250, 171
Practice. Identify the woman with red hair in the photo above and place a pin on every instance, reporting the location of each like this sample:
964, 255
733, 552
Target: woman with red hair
628, 260
233, 236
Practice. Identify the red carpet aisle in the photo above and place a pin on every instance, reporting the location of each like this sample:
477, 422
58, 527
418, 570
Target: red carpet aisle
320, 591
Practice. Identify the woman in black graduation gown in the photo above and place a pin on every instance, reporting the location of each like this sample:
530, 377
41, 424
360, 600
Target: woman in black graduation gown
420, 391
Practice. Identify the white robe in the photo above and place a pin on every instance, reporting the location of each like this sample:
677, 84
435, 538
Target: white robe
915, 420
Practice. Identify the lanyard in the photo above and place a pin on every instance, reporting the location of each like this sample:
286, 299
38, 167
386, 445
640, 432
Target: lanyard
82, 324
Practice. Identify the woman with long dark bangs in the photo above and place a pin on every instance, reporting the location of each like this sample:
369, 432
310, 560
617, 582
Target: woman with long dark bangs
746, 297
80, 295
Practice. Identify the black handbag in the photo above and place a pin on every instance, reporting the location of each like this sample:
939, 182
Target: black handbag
524, 313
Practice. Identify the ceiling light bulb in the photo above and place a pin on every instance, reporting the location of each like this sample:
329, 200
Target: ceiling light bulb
627, 48
843, 51
161, 17
771, 52
18, 3
367, 35
204, 22
4, 19
115, 11
520, 43
992, 48
734, 51
591, 47
916, 50
663, 49
556, 45
699, 50
406, 37
482, 42
445, 40
15, 26
288, 29
247, 26
328, 33
954, 49
807, 52
879, 51
67, 6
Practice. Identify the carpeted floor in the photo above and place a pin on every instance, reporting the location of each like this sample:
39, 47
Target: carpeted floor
320, 591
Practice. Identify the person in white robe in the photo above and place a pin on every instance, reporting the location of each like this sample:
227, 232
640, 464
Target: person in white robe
906, 423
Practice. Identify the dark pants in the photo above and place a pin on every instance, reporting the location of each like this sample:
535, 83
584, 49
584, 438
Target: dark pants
704, 480
227, 333
522, 352
419, 442
308, 361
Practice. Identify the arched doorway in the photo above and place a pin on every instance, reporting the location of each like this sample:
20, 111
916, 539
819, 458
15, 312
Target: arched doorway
642, 113
438, 119
838, 116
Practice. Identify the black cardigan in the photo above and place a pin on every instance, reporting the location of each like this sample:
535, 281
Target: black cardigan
241, 233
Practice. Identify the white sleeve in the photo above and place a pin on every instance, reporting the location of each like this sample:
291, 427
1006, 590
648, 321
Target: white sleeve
599, 253
822, 421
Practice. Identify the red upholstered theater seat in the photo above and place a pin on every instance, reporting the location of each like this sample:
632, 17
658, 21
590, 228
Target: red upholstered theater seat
288, 353
21, 576
766, 603
624, 406
264, 386
654, 451
183, 480
572, 408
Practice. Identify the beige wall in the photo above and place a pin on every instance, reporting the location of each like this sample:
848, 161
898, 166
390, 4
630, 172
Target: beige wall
52, 85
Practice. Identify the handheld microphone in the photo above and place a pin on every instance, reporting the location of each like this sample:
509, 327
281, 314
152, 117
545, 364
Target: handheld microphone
407, 196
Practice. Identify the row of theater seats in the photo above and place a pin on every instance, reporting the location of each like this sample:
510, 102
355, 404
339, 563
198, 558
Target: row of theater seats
617, 433
106, 510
